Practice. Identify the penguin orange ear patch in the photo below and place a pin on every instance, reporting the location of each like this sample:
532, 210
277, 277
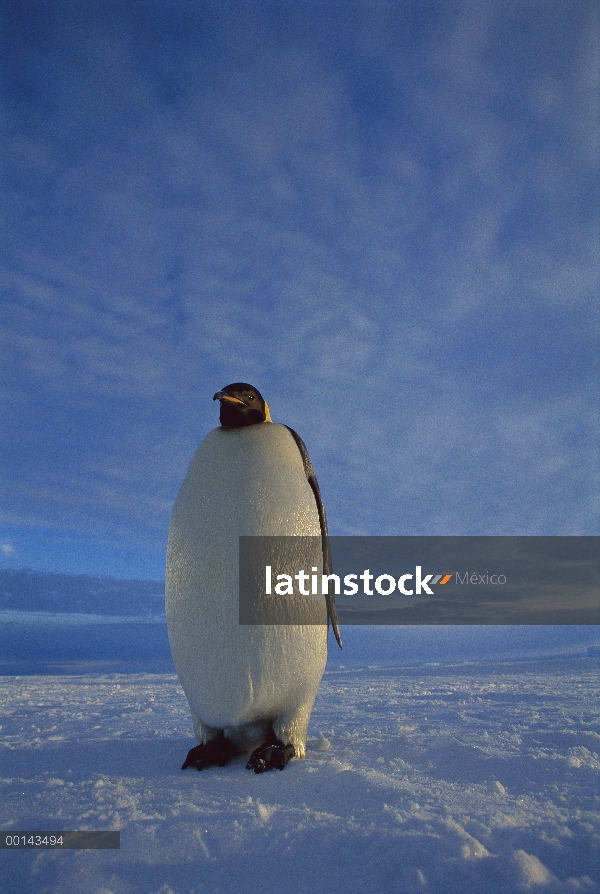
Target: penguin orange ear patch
267, 414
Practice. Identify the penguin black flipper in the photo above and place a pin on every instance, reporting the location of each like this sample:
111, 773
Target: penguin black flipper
312, 480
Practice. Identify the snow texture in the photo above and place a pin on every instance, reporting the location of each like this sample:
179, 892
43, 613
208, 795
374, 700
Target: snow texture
472, 778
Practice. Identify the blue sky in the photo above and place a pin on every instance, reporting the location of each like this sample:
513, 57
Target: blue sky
383, 215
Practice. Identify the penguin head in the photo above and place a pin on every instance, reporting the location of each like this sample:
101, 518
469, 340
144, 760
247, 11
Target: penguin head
242, 404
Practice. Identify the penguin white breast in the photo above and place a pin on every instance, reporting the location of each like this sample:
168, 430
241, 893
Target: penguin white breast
248, 481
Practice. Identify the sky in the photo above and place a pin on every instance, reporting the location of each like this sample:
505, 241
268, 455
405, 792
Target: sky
381, 214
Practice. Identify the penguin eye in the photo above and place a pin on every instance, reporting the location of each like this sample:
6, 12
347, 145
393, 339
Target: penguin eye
250, 397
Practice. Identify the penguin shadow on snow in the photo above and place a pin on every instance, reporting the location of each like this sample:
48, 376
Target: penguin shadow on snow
249, 477
150, 758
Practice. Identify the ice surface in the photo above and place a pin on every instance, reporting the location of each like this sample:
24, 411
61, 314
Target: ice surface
473, 778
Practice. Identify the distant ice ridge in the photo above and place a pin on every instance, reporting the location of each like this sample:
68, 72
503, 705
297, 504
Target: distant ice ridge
102, 619
75, 618
79, 593
401, 646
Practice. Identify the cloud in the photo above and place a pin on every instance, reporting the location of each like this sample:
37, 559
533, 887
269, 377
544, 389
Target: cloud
384, 224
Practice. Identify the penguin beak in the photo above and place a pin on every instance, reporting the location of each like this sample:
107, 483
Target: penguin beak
220, 395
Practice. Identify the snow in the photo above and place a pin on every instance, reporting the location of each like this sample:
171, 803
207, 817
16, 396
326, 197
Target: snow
472, 777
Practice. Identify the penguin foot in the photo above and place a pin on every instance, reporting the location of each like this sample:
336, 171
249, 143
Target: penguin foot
271, 755
217, 752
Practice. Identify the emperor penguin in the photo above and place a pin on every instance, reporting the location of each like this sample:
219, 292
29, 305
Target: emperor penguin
249, 688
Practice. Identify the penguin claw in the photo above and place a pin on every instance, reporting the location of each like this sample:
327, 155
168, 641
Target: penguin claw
194, 758
270, 757
218, 752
